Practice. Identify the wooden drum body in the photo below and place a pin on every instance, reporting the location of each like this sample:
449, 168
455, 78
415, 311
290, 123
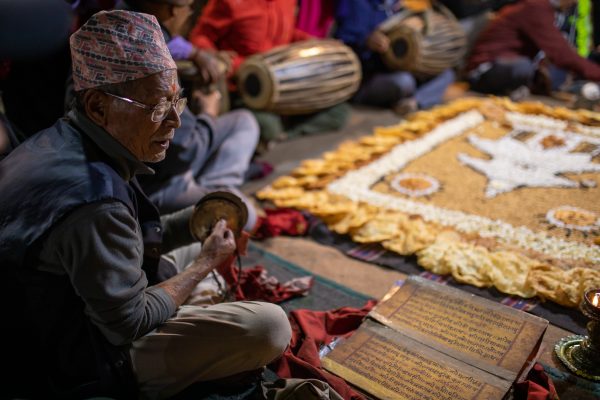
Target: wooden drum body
300, 78
425, 43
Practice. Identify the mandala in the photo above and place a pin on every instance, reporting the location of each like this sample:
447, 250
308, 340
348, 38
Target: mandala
568, 217
507, 171
415, 185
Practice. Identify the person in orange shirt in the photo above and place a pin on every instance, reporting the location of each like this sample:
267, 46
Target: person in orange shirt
260, 25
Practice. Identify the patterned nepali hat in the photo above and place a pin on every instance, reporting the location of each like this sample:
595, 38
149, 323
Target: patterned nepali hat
118, 46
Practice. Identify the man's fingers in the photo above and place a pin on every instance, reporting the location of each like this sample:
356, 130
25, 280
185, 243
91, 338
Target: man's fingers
220, 227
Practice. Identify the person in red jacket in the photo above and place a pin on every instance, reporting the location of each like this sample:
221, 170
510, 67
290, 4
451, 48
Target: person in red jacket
506, 56
258, 26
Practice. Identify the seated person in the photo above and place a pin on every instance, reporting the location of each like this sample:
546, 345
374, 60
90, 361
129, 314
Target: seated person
258, 27
357, 22
97, 306
208, 151
506, 56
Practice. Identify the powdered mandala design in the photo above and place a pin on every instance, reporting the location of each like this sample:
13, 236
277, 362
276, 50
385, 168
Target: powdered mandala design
415, 185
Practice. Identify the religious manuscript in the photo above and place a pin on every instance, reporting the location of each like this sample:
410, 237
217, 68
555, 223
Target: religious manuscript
430, 341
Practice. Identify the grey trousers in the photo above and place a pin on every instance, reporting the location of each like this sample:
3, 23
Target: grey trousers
205, 343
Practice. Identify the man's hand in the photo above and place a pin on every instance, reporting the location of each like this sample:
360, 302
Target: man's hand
217, 248
378, 42
208, 103
226, 58
208, 66
219, 245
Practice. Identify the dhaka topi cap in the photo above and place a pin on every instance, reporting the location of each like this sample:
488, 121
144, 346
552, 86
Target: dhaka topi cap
118, 46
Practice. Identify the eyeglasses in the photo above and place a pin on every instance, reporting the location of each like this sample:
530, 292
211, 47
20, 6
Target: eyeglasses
159, 111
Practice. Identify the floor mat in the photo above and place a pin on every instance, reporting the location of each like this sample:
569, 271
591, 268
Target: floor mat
324, 295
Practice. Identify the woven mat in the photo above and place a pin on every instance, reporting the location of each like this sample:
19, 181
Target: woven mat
324, 295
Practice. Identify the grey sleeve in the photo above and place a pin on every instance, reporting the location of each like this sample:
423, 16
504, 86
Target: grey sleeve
100, 247
176, 229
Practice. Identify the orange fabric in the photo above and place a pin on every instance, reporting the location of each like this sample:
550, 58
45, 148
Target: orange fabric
256, 26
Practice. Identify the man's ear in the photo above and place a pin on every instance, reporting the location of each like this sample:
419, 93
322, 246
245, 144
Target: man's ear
96, 106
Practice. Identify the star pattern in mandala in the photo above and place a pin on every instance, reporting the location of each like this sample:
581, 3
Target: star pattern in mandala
514, 164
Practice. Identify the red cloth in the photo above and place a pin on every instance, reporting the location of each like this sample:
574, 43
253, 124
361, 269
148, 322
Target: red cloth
255, 284
524, 28
281, 221
538, 386
311, 329
256, 26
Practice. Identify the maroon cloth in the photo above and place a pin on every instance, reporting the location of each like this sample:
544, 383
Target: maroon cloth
310, 330
521, 30
281, 221
538, 386
255, 283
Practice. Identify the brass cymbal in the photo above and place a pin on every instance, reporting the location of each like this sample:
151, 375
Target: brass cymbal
215, 206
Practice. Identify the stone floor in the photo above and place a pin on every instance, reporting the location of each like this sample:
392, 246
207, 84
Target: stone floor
365, 278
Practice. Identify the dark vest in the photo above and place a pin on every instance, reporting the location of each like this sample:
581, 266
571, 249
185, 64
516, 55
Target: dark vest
41, 182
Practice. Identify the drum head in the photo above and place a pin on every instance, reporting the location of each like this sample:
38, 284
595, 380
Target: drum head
215, 206
404, 48
256, 83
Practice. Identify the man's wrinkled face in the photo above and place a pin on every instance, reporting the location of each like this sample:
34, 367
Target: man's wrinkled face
133, 127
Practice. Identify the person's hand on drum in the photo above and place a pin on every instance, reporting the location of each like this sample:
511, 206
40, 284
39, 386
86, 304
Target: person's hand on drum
207, 64
208, 101
378, 42
226, 57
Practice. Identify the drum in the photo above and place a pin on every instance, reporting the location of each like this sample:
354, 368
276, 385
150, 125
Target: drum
424, 43
300, 78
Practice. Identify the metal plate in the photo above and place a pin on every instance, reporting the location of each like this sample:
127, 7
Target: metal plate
564, 351
215, 206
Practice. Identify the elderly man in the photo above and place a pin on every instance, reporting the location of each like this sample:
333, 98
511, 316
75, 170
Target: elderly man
94, 308
506, 55
209, 151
